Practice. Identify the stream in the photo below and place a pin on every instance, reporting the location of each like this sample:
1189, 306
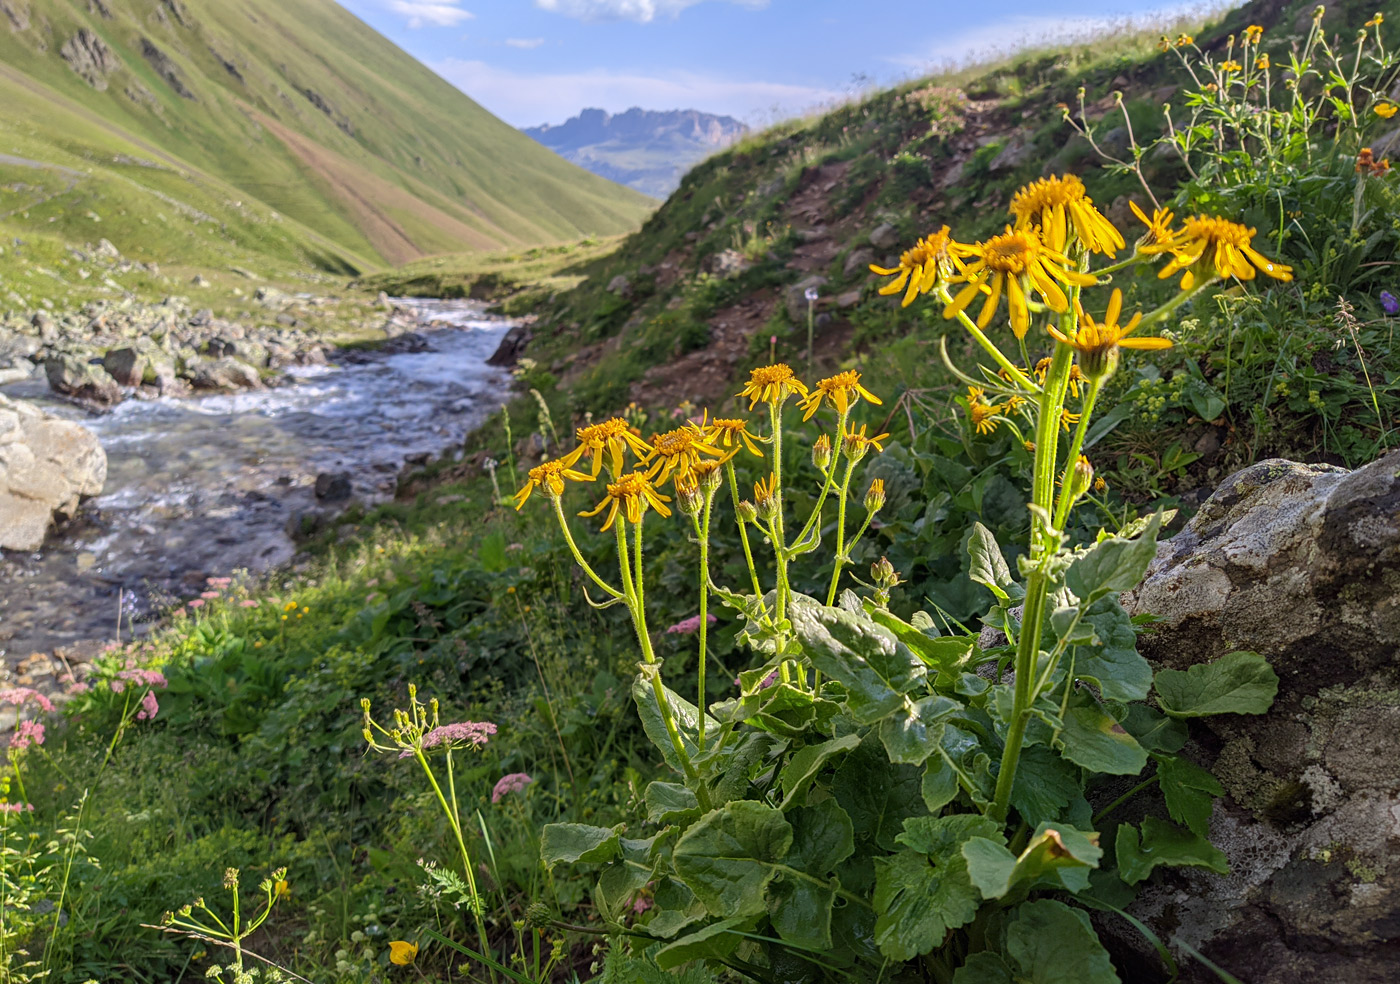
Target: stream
203, 487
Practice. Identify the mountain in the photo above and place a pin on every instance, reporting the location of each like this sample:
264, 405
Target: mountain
641, 148
286, 128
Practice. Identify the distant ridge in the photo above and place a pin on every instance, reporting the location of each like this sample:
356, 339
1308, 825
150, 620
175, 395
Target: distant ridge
646, 149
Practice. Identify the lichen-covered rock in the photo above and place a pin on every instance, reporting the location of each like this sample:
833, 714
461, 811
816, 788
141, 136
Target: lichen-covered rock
72, 376
1302, 564
46, 466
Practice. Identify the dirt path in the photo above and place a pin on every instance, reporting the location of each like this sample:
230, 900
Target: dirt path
12, 161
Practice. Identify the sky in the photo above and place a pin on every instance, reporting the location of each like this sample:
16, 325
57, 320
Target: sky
541, 61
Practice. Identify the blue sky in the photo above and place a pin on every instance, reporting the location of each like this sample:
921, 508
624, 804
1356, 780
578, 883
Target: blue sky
541, 61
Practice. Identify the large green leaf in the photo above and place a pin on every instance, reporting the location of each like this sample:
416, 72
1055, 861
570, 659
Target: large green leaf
807, 762
1093, 739
687, 717
913, 732
1114, 564
935, 650
800, 899
1236, 683
1113, 665
729, 856
876, 669
940, 785
715, 942
1050, 943
984, 968
1153, 730
1058, 856
676, 907
945, 835
1163, 844
1045, 783
988, 566
618, 883
1190, 792
670, 802
574, 842
876, 793
918, 899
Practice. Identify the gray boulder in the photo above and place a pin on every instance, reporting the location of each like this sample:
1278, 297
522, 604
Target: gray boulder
884, 236
126, 365
46, 466
1302, 564
225, 375
72, 376
858, 262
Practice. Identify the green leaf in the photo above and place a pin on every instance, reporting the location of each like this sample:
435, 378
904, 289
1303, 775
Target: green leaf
984, 968
876, 669
876, 793
1094, 740
676, 907
935, 650
1115, 564
715, 942
945, 835
574, 842
1044, 785
670, 802
1204, 399
988, 566
1236, 683
1190, 792
940, 785
617, 884
918, 899
1153, 730
807, 762
913, 732
1113, 665
729, 856
687, 717
800, 900
1050, 943
1163, 844
1058, 856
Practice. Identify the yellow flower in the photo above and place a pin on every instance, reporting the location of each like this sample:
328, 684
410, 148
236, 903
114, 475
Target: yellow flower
289, 606
1376, 21
855, 444
1017, 263
840, 390
772, 384
765, 495
1076, 376
1262, 62
976, 394
920, 268
1067, 418
1042, 368
1164, 43
633, 493
1253, 33
1231, 66
1182, 40
983, 416
1386, 110
402, 953
1029, 446
678, 451
1058, 205
1100, 485
730, 431
1098, 342
1014, 403
282, 889
1217, 244
612, 437
550, 477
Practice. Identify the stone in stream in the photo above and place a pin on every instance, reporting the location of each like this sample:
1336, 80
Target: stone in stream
225, 375
126, 365
46, 466
1300, 563
334, 486
70, 375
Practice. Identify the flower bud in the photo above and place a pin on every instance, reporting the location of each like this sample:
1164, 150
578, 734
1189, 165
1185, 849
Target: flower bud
884, 575
708, 472
538, 916
1081, 478
821, 453
368, 737
688, 498
875, 497
853, 447
747, 512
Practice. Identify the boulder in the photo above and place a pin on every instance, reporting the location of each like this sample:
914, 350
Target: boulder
858, 262
512, 345
1302, 564
884, 236
620, 286
126, 365
46, 466
225, 375
334, 486
795, 297
70, 375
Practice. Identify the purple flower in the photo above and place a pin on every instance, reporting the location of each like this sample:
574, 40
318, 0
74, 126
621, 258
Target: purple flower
689, 626
1390, 303
508, 784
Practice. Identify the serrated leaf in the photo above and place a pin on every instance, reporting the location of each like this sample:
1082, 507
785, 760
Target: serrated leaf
877, 794
1057, 856
1113, 665
575, 842
918, 899
1044, 785
1093, 739
1050, 943
807, 762
945, 835
670, 802
1236, 683
800, 907
1115, 564
988, 566
1163, 844
729, 856
1190, 792
984, 968
1153, 730
876, 669
675, 908
617, 884
912, 733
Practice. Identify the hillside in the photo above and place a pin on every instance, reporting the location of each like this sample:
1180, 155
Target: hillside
644, 149
279, 128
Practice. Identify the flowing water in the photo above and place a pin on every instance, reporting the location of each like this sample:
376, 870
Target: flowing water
203, 487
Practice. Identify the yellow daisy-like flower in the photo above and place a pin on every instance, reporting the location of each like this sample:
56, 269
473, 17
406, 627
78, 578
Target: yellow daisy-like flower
1262, 62
855, 442
1164, 43
1042, 369
976, 394
402, 952
1231, 66
983, 416
840, 390
550, 477
1386, 110
1016, 263
1253, 33
1159, 227
613, 438
633, 494
678, 451
764, 491
1014, 403
772, 384
732, 432
1098, 342
282, 889
1218, 244
1183, 40
1067, 418
920, 267
1376, 21
1076, 378
1058, 205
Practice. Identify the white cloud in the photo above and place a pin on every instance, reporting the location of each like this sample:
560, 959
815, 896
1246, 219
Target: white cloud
530, 99
528, 44
636, 10
440, 13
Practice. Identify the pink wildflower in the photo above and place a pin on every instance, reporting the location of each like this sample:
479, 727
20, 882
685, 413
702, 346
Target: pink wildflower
641, 904
149, 707
18, 695
248, 603
197, 603
79, 688
144, 678
218, 582
209, 595
512, 783
26, 734
118, 686
16, 807
689, 626
473, 733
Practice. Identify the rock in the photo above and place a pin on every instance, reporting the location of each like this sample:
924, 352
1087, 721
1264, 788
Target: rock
884, 236
47, 465
106, 250
383, 302
858, 262
243, 349
512, 346
620, 285
726, 263
795, 297
225, 375
88, 55
71, 376
1016, 152
126, 365
199, 281
848, 299
1302, 564
334, 486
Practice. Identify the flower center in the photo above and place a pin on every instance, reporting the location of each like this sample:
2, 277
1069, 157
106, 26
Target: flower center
768, 375
1011, 252
1046, 193
1217, 231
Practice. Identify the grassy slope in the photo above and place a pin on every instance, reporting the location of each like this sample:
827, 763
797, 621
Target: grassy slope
397, 164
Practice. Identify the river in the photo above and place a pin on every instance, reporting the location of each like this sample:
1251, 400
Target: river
203, 487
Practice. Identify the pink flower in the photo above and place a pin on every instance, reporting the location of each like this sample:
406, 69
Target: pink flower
218, 582
689, 626
197, 603
18, 695
248, 603
149, 707
473, 733
144, 678
79, 688
26, 734
118, 686
512, 783
641, 904
16, 807
209, 595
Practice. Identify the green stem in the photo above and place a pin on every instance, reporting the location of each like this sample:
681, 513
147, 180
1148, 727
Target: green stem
1146, 783
704, 618
743, 528
989, 346
578, 557
840, 531
801, 542
1076, 443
